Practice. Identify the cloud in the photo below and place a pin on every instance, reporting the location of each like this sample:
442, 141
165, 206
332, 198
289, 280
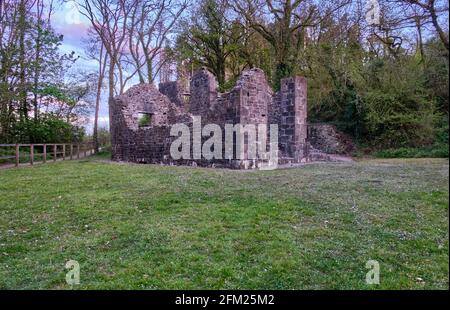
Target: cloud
68, 21
103, 122
73, 33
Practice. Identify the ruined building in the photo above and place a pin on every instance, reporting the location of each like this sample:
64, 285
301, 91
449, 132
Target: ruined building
141, 118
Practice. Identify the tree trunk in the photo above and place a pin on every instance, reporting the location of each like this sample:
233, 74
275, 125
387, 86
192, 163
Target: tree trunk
23, 91
37, 71
111, 94
434, 20
101, 74
420, 39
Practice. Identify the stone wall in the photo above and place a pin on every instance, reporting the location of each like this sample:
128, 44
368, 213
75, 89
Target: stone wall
140, 144
251, 101
203, 92
176, 92
255, 96
290, 111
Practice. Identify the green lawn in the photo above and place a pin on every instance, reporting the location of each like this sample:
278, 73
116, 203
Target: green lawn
153, 227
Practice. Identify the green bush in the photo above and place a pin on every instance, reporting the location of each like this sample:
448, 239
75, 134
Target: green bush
434, 151
49, 129
438, 149
399, 111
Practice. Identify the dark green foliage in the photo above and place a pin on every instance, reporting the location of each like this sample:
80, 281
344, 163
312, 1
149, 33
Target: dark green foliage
395, 120
228, 85
282, 71
383, 102
399, 110
209, 40
49, 129
436, 73
434, 151
145, 119
104, 137
439, 149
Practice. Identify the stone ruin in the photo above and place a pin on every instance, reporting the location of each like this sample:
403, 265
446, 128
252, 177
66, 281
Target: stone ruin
251, 101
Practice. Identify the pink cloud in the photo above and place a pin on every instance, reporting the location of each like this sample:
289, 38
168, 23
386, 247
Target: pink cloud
73, 33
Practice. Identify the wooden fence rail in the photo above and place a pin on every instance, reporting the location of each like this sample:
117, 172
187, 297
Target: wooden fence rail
64, 150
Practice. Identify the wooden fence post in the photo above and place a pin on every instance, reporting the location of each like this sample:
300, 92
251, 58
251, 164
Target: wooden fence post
31, 154
86, 149
17, 155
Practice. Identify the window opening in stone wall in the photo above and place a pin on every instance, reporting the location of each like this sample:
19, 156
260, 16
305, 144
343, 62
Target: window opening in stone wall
144, 119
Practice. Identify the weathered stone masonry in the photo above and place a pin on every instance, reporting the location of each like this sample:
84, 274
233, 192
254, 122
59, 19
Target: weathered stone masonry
251, 101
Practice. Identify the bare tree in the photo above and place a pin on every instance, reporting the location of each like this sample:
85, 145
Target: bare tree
151, 22
109, 18
43, 14
9, 35
418, 14
96, 51
430, 7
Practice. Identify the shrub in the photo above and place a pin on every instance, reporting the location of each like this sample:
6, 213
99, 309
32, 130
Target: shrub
49, 129
434, 151
399, 119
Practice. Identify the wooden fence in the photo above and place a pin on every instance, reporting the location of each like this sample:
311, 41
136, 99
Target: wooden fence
60, 151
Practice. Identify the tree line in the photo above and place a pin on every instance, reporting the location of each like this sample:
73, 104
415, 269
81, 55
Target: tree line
376, 69
39, 100
384, 82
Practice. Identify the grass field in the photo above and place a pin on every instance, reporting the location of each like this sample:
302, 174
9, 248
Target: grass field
153, 227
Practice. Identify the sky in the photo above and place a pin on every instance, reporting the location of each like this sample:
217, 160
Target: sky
68, 21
